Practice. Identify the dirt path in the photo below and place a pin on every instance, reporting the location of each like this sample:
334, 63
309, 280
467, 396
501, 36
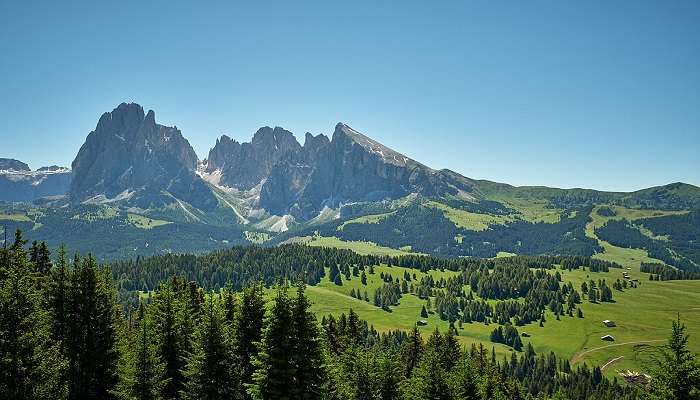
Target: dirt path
578, 356
613, 361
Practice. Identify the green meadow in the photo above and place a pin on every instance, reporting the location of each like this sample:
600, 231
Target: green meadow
643, 315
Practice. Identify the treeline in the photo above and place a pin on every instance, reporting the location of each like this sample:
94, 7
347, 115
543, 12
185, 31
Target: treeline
683, 232
85, 229
63, 336
662, 272
241, 265
524, 288
623, 234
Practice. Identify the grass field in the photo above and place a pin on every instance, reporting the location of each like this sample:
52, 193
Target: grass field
365, 219
358, 247
142, 222
469, 220
14, 217
627, 257
532, 210
643, 316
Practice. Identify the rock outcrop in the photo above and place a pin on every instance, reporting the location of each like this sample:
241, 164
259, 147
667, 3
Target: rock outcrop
245, 165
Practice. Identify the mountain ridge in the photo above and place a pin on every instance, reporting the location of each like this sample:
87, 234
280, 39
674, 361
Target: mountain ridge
347, 185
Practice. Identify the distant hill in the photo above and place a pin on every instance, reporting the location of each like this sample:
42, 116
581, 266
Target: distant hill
140, 186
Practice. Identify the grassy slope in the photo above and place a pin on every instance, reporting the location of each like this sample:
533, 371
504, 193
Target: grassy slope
470, 220
357, 247
14, 217
628, 257
643, 316
142, 222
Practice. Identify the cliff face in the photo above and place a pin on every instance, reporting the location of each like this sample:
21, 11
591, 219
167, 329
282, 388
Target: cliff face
351, 167
130, 157
244, 165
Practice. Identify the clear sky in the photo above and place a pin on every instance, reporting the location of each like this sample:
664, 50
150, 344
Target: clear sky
599, 94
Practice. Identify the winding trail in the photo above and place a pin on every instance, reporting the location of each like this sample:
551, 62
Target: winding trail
614, 360
578, 356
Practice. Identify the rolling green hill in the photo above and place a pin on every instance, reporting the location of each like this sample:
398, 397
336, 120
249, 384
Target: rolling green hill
641, 309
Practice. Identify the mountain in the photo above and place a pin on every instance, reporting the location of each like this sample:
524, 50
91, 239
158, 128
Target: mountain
245, 165
19, 183
130, 157
138, 188
9, 164
350, 168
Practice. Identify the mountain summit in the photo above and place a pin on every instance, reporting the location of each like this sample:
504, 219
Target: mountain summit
130, 157
244, 165
351, 167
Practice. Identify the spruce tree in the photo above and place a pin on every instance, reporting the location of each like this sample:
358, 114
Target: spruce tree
429, 379
463, 380
274, 374
307, 357
142, 374
31, 364
210, 372
411, 351
450, 350
92, 331
57, 294
677, 371
172, 337
248, 325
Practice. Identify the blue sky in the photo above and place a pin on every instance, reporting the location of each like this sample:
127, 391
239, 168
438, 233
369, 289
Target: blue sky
599, 94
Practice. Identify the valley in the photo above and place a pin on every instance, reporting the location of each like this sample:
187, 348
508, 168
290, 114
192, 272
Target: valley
139, 199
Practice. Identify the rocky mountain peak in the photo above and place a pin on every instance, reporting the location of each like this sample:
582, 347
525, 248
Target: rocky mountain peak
313, 143
245, 165
130, 157
351, 167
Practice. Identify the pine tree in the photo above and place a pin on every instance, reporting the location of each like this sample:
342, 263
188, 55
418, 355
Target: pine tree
423, 312
307, 357
142, 373
411, 351
172, 337
248, 325
92, 332
429, 379
31, 364
209, 372
274, 373
677, 373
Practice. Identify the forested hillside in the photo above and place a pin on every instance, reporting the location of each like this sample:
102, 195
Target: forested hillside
68, 329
